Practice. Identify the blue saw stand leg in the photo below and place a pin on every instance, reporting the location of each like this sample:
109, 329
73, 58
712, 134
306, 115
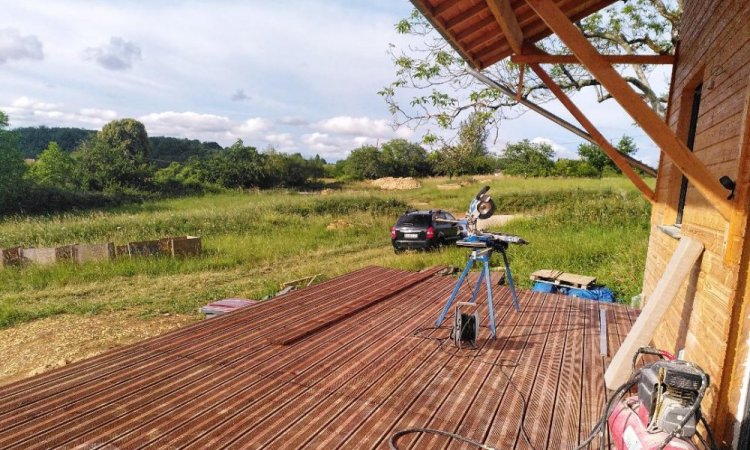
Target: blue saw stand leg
461, 279
510, 280
482, 256
490, 306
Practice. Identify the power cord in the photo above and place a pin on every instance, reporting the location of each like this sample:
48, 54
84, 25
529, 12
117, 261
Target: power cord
417, 333
395, 436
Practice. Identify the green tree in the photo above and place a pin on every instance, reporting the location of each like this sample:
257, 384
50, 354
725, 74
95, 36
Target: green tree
470, 154
402, 158
595, 156
575, 168
528, 159
116, 158
53, 168
12, 164
364, 163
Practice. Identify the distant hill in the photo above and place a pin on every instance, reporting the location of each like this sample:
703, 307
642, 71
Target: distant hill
33, 141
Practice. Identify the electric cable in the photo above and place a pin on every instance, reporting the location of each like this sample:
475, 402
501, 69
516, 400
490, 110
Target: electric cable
458, 437
709, 431
616, 396
524, 409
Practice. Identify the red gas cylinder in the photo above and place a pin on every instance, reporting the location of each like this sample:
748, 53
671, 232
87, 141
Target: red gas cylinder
629, 433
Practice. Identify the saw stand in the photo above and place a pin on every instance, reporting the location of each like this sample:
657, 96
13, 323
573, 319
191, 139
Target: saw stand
482, 255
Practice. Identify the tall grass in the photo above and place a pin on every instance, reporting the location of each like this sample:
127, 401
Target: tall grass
254, 241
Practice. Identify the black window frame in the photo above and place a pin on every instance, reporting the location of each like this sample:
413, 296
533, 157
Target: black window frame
692, 128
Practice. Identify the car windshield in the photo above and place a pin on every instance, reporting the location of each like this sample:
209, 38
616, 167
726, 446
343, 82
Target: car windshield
417, 220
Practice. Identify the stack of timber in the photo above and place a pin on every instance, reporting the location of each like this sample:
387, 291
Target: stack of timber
183, 246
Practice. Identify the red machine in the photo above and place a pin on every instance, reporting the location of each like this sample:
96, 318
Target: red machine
628, 431
666, 411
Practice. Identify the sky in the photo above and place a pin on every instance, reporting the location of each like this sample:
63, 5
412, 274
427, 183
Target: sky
301, 76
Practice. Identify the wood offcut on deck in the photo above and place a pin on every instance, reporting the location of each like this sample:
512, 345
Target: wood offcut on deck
343, 364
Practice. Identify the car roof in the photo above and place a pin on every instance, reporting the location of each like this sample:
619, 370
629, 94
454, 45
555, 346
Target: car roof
424, 211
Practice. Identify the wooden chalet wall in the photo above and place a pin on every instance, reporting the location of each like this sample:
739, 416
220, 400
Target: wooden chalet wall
709, 319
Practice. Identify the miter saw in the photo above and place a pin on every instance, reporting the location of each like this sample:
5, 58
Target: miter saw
483, 244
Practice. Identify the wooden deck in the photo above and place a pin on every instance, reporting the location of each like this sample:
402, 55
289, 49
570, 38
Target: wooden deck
343, 364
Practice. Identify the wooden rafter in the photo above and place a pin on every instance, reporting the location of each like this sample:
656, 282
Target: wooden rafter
443, 7
706, 183
464, 16
572, 59
610, 150
508, 22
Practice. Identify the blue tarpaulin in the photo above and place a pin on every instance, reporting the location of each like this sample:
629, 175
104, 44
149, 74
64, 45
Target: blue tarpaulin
601, 293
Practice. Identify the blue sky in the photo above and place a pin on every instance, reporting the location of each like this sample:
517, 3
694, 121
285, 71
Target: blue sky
301, 76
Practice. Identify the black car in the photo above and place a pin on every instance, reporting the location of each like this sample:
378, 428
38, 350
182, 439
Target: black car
422, 230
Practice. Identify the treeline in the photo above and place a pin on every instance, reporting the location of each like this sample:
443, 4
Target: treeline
116, 165
470, 156
32, 141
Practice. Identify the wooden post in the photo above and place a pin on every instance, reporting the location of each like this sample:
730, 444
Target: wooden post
508, 22
678, 269
612, 152
705, 182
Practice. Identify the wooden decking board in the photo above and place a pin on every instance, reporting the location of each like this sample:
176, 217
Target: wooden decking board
266, 387
566, 414
490, 393
322, 414
269, 351
352, 383
457, 403
449, 413
401, 398
545, 386
148, 373
335, 394
507, 424
120, 359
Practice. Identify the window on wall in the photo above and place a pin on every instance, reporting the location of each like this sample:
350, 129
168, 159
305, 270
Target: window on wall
694, 111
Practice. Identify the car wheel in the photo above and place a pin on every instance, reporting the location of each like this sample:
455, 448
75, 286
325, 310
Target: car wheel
439, 245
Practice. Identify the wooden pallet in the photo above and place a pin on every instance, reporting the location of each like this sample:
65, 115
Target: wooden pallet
563, 279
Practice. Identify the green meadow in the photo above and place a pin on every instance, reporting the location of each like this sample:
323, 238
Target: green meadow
253, 241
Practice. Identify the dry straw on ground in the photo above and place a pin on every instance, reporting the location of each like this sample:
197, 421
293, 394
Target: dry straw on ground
396, 184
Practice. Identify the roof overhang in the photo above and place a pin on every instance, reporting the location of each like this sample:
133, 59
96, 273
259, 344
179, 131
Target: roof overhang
484, 32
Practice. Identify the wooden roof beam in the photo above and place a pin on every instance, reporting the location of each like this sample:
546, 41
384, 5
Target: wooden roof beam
572, 59
440, 9
508, 22
603, 143
696, 172
464, 17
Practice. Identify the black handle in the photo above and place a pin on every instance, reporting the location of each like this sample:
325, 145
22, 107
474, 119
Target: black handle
483, 191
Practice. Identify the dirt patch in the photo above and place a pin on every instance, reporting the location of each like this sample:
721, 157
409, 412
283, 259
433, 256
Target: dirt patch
32, 348
396, 184
449, 187
495, 221
339, 224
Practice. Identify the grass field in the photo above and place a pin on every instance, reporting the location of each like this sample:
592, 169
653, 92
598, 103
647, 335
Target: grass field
254, 241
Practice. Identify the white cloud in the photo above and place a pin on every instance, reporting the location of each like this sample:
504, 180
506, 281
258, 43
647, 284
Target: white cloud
28, 111
118, 54
356, 126
25, 103
560, 151
14, 46
253, 127
281, 141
